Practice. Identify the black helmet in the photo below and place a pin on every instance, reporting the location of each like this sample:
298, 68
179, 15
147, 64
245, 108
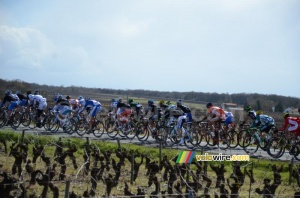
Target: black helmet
209, 105
36, 92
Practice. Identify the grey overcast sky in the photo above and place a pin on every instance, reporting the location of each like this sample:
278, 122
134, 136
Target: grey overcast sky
222, 46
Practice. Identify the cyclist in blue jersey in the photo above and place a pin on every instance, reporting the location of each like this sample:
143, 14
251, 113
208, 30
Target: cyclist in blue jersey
95, 107
13, 100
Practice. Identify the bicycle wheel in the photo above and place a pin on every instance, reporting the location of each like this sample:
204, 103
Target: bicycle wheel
241, 136
33, 121
160, 134
98, 129
276, 147
297, 152
191, 139
174, 136
3, 119
212, 138
203, 141
15, 120
250, 144
129, 130
68, 126
51, 123
26, 119
232, 139
141, 132
111, 128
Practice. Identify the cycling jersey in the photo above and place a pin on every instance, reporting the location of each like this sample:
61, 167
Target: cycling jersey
229, 118
7, 98
263, 122
187, 111
94, 105
216, 113
38, 99
293, 124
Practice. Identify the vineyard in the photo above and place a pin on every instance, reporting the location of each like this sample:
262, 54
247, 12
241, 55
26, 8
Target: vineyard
36, 165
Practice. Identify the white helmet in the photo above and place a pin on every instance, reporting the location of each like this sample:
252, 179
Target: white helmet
30, 97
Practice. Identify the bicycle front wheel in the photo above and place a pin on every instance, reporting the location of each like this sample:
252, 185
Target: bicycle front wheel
250, 144
191, 139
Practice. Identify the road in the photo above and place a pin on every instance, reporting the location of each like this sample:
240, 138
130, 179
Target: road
260, 154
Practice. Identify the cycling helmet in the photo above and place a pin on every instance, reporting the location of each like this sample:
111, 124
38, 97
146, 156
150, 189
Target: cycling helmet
36, 92
68, 97
130, 100
59, 97
113, 100
7, 92
120, 99
30, 97
19, 92
161, 102
80, 97
150, 102
286, 114
248, 108
209, 105
179, 102
259, 112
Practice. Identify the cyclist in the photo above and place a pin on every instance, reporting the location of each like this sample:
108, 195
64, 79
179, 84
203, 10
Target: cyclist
123, 112
229, 120
95, 107
13, 100
263, 122
217, 115
250, 113
291, 125
137, 107
169, 111
152, 107
73, 102
185, 116
62, 107
41, 103
23, 98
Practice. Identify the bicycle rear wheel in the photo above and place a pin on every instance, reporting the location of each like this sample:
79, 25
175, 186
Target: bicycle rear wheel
26, 119
98, 129
276, 147
130, 131
111, 128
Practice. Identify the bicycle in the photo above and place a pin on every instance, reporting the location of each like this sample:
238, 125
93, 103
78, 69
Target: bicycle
278, 144
252, 140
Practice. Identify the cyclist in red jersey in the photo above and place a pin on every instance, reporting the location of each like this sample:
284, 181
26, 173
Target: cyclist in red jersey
291, 125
